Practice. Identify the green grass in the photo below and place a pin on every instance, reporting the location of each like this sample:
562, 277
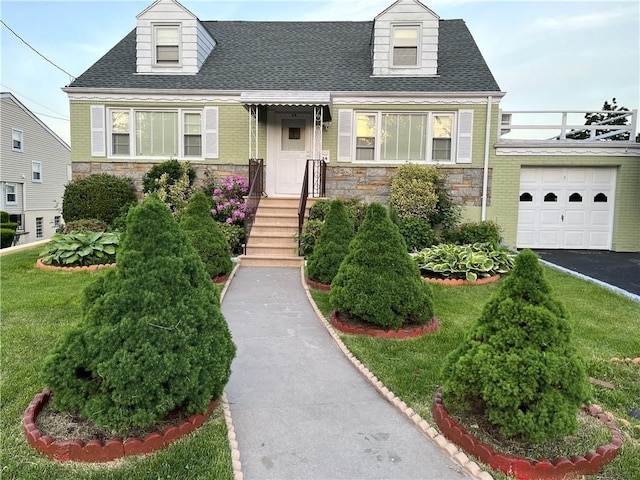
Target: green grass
36, 307
605, 325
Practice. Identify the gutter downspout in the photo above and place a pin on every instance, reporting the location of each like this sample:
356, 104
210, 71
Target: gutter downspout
485, 172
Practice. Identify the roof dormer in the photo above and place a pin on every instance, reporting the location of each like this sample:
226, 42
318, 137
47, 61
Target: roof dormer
170, 39
405, 40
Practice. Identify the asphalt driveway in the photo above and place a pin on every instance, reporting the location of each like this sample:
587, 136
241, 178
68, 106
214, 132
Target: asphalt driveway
622, 270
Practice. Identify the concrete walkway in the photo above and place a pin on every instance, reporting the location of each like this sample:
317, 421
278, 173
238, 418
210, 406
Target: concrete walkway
300, 409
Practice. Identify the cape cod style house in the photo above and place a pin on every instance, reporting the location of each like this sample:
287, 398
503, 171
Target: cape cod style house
356, 99
35, 167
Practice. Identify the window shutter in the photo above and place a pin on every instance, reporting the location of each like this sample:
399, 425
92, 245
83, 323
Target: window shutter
345, 135
211, 132
97, 131
465, 131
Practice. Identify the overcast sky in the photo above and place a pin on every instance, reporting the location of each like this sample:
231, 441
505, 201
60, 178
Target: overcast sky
561, 55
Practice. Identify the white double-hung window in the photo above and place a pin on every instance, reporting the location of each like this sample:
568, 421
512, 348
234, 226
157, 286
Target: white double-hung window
405, 46
36, 171
404, 136
167, 44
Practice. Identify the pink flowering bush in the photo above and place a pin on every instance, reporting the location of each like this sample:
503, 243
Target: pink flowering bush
228, 200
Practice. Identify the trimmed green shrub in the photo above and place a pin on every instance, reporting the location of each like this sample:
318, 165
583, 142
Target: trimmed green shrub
319, 209
378, 281
234, 234
333, 244
206, 236
4, 216
476, 232
98, 196
356, 210
85, 225
416, 232
81, 249
467, 262
173, 171
413, 191
310, 233
518, 365
152, 339
6, 237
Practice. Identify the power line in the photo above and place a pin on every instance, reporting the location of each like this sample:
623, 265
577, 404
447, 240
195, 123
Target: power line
30, 99
53, 116
41, 55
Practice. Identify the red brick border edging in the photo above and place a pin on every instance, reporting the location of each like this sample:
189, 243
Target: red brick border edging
317, 285
521, 467
374, 331
41, 265
95, 450
460, 281
220, 279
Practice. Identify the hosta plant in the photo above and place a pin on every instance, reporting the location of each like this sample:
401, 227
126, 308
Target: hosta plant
81, 249
468, 262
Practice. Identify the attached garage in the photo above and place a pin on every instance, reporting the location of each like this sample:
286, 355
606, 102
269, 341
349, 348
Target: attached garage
566, 207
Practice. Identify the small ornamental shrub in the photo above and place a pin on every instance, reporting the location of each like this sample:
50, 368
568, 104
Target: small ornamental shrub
100, 196
416, 232
6, 237
234, 234
378, 282
476, 232
355, 207
206, 236
518, 365
4, 216
80, 249
466, 262
319, 209
229, 205
413, 191
172, 170
310, 234
152, 339
332, 246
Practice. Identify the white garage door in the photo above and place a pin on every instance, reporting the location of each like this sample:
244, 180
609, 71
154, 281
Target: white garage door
570, 208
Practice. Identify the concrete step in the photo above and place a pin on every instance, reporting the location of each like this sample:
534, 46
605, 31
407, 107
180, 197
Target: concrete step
272, 237
274, 210
270, 261
275, 221
278, 250
267, 229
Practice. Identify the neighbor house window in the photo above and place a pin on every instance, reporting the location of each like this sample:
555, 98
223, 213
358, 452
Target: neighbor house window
36, 171
167, 38
192, 134
39, 225
156, 134
57, 223
17, 140
11, 194
405, 45
404, 136
120, 137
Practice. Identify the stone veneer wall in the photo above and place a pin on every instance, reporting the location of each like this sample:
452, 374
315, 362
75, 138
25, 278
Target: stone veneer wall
372, 184
137, 170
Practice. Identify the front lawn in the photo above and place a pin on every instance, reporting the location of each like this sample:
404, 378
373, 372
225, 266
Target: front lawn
36, 307
606, 326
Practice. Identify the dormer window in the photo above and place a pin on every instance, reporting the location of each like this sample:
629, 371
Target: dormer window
167, 44
405, 45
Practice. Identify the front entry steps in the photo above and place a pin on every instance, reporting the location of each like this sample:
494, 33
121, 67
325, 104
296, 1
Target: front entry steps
272, 242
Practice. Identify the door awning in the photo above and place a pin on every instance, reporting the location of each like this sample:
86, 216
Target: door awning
288, 98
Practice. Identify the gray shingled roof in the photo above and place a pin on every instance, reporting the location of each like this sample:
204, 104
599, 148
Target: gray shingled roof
310, 56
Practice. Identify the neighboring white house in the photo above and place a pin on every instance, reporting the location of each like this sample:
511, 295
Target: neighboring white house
35, 166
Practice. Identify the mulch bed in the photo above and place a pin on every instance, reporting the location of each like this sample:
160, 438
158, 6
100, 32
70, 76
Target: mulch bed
460, 281
356, 326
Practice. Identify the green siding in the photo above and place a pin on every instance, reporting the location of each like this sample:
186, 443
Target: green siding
506, 186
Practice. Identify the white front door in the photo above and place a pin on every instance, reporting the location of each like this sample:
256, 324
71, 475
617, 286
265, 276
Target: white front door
290, 140
568, 208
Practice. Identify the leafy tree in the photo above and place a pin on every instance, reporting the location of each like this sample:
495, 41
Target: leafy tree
612, 118
517, 365
378, 281
333, 244
152, 338
174, 171
206, 236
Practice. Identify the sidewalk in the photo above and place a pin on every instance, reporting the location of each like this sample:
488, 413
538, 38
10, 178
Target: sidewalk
300, 409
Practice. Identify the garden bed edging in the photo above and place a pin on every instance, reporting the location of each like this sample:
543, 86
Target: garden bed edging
461, 281
373, 331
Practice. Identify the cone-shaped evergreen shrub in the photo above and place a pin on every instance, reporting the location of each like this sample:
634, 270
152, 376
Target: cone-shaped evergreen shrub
333, 244
152, 338
378, 281
206, 236
517, 365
